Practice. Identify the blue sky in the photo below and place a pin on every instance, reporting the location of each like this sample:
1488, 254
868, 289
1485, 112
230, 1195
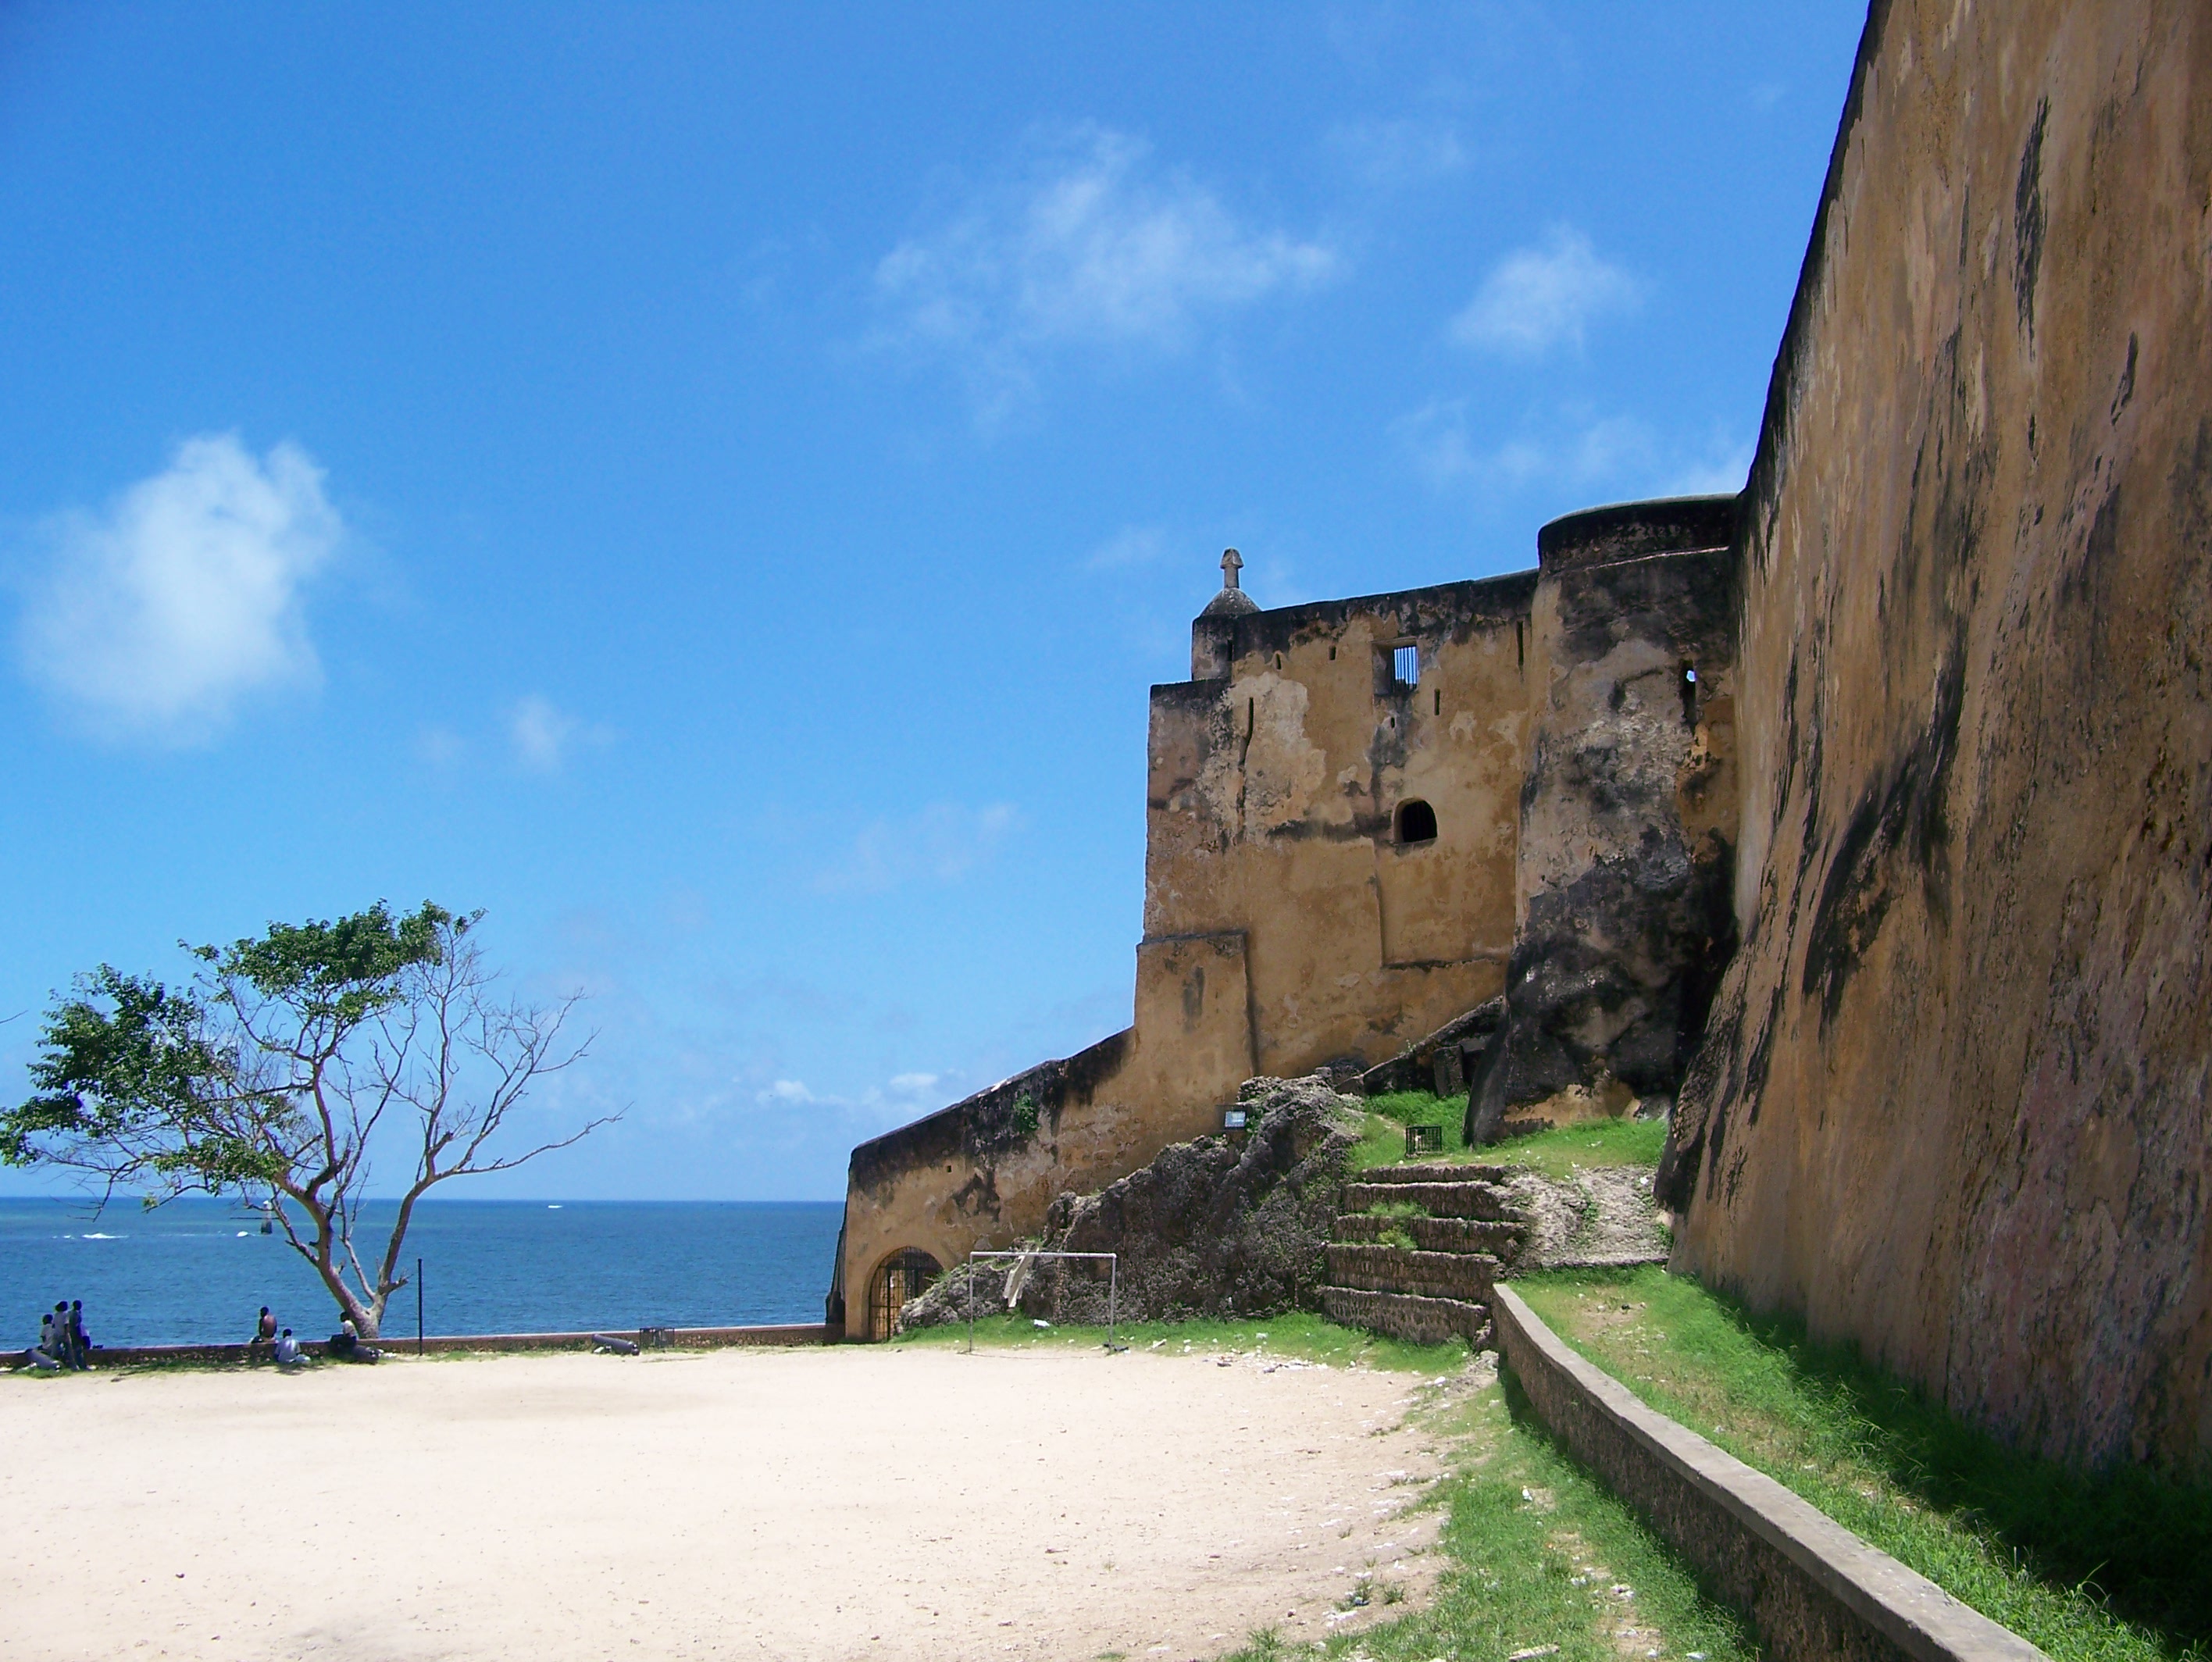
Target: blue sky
712, 485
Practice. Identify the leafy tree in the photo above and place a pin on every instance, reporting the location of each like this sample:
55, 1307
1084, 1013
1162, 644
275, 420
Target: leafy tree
270, 1075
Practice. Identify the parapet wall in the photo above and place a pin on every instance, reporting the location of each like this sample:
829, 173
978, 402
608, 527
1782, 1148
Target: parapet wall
1952, 1104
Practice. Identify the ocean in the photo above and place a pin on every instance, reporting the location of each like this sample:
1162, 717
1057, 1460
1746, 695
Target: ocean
198, 1271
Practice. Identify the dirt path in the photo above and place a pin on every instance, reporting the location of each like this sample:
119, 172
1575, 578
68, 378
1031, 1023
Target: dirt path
855, 1502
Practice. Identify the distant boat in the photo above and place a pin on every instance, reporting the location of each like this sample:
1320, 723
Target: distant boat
553, 1206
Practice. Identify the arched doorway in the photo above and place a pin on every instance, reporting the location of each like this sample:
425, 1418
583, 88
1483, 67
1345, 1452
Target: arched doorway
904, 1275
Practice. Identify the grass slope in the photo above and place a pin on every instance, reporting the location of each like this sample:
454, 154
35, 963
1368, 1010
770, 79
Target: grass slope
2113, 1569
1554, 1152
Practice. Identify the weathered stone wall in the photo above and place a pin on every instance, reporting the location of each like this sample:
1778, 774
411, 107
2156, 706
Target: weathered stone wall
1953, 1101
1275, 781
1627, 811
1208, 1227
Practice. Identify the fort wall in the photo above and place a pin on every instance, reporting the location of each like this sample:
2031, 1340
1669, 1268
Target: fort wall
1952, 1103
1276, 804
1359, 812
1627, 817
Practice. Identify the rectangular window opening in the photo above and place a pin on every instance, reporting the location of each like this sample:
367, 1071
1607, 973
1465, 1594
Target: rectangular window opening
1406, 666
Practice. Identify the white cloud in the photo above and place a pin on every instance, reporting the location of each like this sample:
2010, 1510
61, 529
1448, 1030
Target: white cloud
1614, 452
912, 1084
441, 746
543, 734
1722, 469
1536, 298
792, 1093
157, 615
1394, 154
1132, 545
941, 844
1090, 245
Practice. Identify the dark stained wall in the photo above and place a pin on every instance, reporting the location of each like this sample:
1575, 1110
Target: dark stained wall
1952, 1103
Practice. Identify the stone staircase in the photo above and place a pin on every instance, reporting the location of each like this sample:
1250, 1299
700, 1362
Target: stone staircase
1469, 1226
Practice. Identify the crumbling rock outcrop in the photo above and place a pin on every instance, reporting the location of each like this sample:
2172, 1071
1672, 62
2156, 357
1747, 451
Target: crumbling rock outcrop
1212, 1227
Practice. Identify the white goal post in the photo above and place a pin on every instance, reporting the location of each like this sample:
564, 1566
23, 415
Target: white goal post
1113, 1285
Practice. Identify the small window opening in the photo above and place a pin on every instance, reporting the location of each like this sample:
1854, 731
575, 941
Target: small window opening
1332, 654
1406, 666
1440, 701
1521, 645
1417, 823
1279, 660
1689, 694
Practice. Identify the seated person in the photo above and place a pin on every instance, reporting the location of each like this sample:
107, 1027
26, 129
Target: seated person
288, 1350
346, 1345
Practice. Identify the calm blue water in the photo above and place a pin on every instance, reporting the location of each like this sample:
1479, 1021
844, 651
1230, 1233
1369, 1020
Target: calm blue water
199, 1271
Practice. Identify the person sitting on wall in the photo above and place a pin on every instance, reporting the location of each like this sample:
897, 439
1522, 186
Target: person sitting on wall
264, 1333
42, 1356
346, 1345
288, 1350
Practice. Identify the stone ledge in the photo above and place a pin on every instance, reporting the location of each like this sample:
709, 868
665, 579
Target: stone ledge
1386, 1269
1435, 1172
1473, 1200
1815, 1591
1410, 1316
1436, 1234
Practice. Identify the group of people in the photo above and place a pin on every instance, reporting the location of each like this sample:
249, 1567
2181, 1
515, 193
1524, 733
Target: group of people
63, 1344
344, 1345
62, 1341
282, 1346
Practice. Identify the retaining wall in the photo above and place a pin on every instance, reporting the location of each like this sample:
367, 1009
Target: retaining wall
1814, 1590
678, 1338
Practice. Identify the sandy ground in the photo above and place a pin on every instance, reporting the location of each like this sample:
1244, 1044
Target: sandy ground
853, 1503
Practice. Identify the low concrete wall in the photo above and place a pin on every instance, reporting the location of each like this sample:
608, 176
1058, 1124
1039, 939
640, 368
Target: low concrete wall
676, 1338
1815, 1591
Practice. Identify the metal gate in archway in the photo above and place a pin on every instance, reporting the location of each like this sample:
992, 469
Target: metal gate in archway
903, 1275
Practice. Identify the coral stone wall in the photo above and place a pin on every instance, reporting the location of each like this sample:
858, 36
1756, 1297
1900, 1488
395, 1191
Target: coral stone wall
1952, 1103
1627, 811
1271, 803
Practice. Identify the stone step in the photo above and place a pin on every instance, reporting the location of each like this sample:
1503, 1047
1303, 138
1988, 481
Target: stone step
1408, 1315
1435, 1172
1438, 1235
1469, 1199
1379, 1269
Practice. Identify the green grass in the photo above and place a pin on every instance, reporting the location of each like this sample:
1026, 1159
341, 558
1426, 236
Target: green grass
2110, 1569
1555, 1151
1534, 1550
1297, 1335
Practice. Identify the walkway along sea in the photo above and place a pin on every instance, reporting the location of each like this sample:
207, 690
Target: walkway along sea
197, 1272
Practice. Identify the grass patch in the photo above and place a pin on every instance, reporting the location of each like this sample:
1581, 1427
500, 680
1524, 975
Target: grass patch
1558, 1149
2110, 1569
1555, 1151
1382, 1143
1537, 1554
1297, 1335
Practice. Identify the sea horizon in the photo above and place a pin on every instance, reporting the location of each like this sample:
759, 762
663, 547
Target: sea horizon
196, 1270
